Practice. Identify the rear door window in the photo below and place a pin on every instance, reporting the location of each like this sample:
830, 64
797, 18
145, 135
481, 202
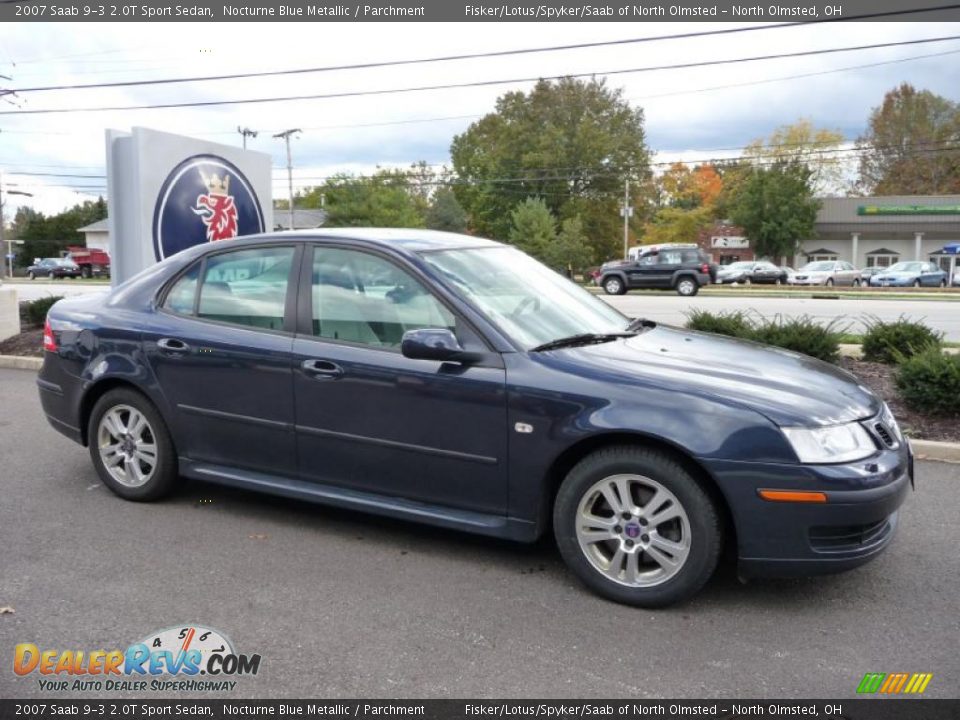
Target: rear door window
247, 287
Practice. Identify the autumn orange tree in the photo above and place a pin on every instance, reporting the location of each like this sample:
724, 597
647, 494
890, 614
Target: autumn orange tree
685, 204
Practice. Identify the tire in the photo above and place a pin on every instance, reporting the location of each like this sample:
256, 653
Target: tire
150, 483
693, 532
747, 282
86, 272
51, 275
778, 282
916, 283
613, 285
31, 275
829, 282
856, 283
943, 283
687, 286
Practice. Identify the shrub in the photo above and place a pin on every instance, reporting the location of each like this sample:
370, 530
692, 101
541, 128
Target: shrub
804, 334
35, 311
734, 324
890, 342
929, 382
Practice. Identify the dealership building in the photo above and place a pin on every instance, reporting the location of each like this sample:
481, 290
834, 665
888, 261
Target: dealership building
867, 232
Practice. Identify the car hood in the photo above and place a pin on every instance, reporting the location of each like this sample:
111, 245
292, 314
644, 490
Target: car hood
788, 388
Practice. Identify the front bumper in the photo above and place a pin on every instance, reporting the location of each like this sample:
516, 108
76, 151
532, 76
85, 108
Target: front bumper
785, 539
808, 281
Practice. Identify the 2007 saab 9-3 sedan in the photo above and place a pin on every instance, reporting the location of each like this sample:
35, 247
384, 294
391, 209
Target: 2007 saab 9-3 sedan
456, 381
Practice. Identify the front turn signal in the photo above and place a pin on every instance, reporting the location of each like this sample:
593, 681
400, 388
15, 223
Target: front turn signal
794, 496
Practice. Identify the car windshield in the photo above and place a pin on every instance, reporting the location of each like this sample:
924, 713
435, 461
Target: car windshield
905, 267
739, 266
821, 266
529, 302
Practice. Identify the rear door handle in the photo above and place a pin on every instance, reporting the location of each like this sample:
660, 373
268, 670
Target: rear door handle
321, 368
173, 346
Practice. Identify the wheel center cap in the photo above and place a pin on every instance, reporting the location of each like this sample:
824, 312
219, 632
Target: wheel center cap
632, 530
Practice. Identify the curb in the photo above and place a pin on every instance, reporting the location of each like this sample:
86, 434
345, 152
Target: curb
934, 450
21, 362
923, 449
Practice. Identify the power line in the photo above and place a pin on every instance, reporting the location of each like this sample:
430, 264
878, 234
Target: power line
477, 55
483, 83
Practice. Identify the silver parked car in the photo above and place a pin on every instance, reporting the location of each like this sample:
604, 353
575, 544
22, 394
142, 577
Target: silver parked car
828, 273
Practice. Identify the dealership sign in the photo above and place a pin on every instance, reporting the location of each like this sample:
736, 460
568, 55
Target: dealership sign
735, 241
169, 192
908, 210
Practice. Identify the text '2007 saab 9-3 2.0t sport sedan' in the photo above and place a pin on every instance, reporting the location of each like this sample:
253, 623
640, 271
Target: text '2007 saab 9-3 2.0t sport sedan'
455, 381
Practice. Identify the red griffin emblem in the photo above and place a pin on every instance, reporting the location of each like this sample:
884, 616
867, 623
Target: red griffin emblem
216, 208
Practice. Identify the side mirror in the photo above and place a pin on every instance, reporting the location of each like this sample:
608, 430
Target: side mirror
435, 344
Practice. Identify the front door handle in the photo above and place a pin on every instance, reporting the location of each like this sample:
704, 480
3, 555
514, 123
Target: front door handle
321, 368
173, 346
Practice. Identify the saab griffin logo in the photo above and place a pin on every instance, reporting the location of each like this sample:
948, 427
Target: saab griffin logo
204, 199
894, 683
182, 658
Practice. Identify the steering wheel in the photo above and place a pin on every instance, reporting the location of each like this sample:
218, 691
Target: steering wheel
531, 300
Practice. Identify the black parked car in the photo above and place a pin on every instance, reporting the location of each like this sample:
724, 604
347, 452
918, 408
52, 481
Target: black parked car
455, 381
685, 268
748, 273
54, 268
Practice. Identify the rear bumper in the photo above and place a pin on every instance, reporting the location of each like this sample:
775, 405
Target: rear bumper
60, 397
855, 525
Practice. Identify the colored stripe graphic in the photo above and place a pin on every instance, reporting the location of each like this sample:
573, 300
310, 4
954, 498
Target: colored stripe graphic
894, 683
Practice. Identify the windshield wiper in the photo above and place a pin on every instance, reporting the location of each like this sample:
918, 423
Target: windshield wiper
582, 339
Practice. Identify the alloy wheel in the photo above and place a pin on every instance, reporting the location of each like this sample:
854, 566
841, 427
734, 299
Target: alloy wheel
633, 530
127, 445
686, 287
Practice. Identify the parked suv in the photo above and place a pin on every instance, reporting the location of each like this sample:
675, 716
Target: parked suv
685, 268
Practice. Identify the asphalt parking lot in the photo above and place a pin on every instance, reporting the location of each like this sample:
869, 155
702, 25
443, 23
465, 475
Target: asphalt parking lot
345, 605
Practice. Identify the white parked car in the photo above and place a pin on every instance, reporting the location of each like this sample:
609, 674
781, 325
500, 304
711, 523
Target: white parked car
828, 273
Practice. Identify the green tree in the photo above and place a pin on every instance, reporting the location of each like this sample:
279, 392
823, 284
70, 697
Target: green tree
533, 227
569, 252
676, 225
776, 208
384, 199
910, 146
571, 142
445, 212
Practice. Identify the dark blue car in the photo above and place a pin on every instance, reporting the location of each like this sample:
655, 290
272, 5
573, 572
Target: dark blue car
456, 381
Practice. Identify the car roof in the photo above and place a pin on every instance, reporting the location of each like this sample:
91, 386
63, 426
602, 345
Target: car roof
411, 239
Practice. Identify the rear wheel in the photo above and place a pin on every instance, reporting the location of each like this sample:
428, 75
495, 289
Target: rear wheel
687, 286
916, 283
131, 447
31, 275
613, 285
829, 282
943, 283
636, 527
856, 283
86, 272
51, 275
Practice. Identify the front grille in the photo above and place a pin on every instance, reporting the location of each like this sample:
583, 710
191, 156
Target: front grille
886, 437
840, 538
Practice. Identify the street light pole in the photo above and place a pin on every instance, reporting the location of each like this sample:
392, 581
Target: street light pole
3, 237
626, 211
286, 136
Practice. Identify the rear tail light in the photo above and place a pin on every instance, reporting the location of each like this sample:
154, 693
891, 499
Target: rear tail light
704, 268
49, 343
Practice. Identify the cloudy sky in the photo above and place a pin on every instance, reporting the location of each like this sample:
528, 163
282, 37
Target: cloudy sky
691, 114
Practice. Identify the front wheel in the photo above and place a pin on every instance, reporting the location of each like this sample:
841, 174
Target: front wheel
31, 275
131, 447
916, 283
856, 283
943, 283
613, 285
687, 286
51, 275
829, 282
636, 527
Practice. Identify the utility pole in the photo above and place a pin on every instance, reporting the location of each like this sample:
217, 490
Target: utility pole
627, 213
286, 136
246, 132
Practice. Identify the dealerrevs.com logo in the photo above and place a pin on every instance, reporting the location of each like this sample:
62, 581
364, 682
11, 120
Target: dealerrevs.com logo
203, 199
184, 658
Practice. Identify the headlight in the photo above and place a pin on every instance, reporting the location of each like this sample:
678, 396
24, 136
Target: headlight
833, 444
